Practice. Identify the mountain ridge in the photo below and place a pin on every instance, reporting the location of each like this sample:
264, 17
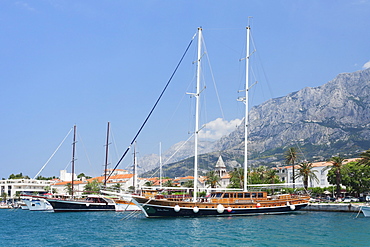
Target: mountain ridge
322, 121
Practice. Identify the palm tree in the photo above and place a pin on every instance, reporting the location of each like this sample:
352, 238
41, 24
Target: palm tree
365, 158
168, 183
68, 188
92, 187
117, 187
189, 184
291, 157
337, 168
271, 177
213, 179
237, 178
305, 172
4, 195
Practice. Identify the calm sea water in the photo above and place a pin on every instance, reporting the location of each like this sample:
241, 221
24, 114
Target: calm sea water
26, 228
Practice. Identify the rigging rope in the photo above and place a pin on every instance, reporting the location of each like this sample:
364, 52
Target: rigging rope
155, 105
53, 154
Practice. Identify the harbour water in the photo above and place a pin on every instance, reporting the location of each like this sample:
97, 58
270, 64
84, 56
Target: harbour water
27, 228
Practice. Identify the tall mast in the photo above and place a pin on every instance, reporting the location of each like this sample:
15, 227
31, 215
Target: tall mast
160, 165
135, 168
106, 156
246, 113
197, 116
73, 157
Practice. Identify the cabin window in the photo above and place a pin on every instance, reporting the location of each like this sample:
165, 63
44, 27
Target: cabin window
240, 195
226, 195
247, 195
254, 195
260, 195
217, 195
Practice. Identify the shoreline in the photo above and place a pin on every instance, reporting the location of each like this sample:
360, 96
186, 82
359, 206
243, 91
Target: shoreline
334, 207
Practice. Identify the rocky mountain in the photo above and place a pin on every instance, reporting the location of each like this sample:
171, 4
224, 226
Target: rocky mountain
320, 122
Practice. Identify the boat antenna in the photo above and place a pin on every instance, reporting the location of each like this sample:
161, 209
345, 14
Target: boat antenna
155, 105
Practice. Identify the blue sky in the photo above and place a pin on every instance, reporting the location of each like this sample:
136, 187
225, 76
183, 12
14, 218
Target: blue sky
90, 62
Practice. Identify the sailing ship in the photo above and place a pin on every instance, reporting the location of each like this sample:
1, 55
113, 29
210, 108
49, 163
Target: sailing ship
90, 203
219, 203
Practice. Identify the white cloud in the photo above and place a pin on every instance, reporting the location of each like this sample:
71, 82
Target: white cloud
366, 65
217, 128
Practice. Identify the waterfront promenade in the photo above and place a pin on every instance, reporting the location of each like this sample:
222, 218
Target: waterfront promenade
334, 207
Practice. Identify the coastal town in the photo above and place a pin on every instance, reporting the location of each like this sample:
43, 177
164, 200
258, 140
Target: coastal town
315, 181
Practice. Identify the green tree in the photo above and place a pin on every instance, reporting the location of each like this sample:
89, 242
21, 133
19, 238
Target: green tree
168, 183
117, 187
81, 175
356, 177
335, 173
237, 178
365, 158
149, 183
18, 176
4, 196
212, 179
306, 172
257, 175
68, 188
291, 157
92, 187
189, 184
18, 194
47, 188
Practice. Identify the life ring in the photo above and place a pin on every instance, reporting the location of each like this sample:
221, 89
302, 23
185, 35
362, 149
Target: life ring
258, 205
229, 209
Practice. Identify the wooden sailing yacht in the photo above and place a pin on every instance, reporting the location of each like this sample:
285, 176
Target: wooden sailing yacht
235, 203
90, 203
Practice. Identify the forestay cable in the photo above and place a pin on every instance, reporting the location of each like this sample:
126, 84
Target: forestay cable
155, 105
56, 150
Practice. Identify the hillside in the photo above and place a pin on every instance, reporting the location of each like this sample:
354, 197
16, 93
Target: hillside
321, 121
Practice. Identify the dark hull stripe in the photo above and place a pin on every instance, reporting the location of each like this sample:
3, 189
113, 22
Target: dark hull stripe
163, 211
65, 206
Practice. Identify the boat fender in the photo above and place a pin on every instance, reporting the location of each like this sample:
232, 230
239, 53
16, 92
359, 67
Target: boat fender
87, 204
177, 208
258, 205
292, 207
229, 209
288, 204
220, 208
195, 209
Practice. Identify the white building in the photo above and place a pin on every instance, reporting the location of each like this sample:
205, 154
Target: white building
319, 168
23, 186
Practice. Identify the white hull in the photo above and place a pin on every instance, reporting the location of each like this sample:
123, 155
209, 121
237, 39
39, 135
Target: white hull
37, 204
121, 207
366, 210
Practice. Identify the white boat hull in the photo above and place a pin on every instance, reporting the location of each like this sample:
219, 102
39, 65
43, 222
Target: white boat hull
37, 204
366, 211
126, 206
